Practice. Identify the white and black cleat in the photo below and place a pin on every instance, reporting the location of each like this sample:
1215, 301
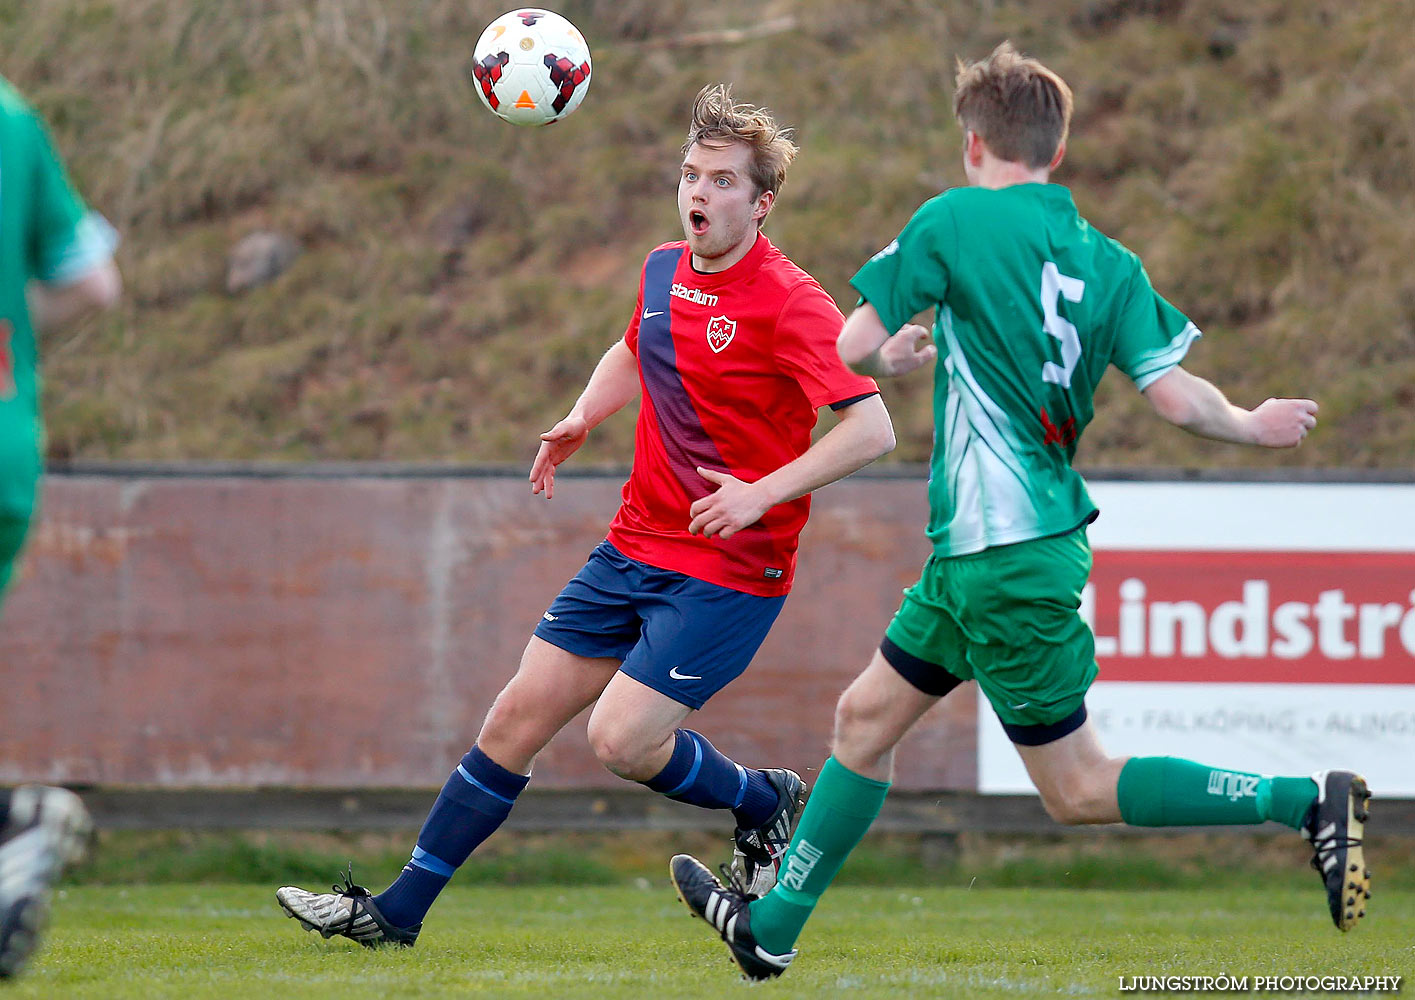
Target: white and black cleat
21, 924
47, 830
726, 909
756, 853
349, 911
1335, 826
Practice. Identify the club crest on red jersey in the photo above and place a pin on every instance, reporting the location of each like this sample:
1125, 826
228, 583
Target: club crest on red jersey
720, 331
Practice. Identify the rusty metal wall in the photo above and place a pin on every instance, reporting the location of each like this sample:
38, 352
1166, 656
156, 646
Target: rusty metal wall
329, 631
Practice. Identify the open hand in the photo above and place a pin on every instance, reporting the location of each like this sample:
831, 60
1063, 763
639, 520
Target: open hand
556, 445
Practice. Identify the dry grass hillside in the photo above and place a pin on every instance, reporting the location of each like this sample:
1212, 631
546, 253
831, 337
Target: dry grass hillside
458, 277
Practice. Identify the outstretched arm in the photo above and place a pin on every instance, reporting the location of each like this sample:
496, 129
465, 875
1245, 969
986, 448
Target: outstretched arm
1197, 406
613, 383
863, 434
56, 305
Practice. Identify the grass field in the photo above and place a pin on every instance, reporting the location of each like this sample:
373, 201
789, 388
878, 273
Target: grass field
231, 941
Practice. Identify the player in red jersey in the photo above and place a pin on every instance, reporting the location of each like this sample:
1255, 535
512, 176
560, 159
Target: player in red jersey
733, 349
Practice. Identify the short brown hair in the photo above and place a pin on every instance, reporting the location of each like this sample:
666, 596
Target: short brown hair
1021, 109
717, 120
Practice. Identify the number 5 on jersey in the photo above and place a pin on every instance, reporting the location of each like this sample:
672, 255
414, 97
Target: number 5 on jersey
1056, 286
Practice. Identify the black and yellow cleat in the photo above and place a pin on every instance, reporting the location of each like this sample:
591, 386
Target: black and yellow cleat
1335, 826
726, 908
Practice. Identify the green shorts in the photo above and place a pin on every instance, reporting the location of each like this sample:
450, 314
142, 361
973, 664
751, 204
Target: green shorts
20, 465
1008, 618
12, 540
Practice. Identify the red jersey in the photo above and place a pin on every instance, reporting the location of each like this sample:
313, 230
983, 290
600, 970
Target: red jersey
733, 367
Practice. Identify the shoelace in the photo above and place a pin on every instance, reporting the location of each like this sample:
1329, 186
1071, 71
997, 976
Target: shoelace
1323, 846
734, 880
349, 888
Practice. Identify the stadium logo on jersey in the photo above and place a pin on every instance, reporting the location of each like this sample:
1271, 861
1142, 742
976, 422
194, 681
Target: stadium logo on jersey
720, 331
694, 295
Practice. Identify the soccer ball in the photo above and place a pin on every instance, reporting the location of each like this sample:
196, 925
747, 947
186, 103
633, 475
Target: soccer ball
531, 67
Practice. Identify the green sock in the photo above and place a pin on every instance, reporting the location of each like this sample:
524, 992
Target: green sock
1169, 791
1291, 798
841, 808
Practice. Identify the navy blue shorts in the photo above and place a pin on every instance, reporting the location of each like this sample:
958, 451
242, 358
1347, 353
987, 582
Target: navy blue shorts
683, 637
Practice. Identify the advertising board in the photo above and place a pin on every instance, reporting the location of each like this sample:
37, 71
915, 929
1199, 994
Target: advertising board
1257, 626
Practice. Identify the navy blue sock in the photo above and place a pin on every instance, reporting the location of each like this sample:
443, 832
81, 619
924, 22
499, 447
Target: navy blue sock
758, 804
476, 800
699, 774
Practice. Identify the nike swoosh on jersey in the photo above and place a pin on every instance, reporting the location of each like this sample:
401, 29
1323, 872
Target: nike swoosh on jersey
651, 315
683, 677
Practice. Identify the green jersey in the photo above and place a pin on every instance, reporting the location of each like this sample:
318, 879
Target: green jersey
1031, 304
46, 234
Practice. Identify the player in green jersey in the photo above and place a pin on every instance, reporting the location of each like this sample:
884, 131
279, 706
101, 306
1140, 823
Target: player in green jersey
1031, 305
56, 265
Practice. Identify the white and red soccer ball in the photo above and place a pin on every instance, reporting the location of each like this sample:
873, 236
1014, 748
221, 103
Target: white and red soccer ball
531, 67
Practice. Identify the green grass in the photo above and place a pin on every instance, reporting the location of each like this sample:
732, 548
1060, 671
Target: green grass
230, 941
1064, 859
191, 915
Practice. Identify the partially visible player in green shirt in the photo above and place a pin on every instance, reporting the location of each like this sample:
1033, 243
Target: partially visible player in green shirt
56, 266
1031, 306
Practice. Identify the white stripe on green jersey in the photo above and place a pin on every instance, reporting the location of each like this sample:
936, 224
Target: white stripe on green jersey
1031, 305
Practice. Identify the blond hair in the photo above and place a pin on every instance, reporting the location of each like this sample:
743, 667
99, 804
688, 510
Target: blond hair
718, 120
1021, 109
